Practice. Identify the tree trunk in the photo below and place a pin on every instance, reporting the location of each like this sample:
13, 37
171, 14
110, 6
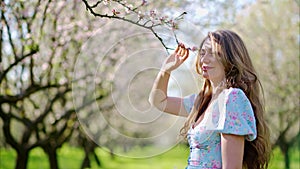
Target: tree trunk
286, 157
22, 159
86, 162
52, 156
97, 159
112, 155
284, 147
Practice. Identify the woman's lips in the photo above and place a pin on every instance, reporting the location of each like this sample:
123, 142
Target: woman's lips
205, 68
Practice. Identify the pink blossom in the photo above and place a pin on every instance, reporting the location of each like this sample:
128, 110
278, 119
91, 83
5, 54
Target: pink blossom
115, 12
144, 2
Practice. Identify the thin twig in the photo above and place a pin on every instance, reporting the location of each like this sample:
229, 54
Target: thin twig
2, 74
9, 35
96, 4
89, 8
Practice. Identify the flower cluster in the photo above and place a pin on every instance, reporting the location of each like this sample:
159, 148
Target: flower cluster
120, 8
136, 12
106, 2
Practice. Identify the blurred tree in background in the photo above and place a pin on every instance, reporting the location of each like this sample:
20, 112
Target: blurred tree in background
40, 41
44, 72
271, 31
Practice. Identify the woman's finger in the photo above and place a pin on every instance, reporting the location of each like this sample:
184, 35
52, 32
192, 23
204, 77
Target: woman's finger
186, 55
182, 45
177, 49
177, 57
182, 51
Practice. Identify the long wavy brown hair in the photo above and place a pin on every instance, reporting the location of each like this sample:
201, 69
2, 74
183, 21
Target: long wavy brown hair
229, 48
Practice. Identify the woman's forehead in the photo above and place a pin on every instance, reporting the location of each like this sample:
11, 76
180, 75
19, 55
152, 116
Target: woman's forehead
207, 44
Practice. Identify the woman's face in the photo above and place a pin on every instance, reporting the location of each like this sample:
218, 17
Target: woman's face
212, 68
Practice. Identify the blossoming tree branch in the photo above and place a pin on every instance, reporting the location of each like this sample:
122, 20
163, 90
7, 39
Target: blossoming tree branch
135, 13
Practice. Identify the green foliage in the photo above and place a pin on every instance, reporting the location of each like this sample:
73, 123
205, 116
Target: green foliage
277, 161
71, 157
31, 47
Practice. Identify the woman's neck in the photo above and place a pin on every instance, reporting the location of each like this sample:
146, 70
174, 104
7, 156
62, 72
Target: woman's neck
217, 87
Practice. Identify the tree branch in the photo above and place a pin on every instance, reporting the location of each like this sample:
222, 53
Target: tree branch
1, 39
44, 18
3, 18
96, 4
33, 16
6, 129
2, 74
90, 8
46, 111
27, 92
48, 108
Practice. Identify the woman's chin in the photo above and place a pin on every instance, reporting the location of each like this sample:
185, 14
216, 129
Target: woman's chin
205, 75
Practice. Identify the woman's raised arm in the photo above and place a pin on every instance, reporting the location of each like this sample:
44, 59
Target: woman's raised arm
158, 96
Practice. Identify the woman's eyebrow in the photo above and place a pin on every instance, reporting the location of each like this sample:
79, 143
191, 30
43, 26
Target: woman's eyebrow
206, 48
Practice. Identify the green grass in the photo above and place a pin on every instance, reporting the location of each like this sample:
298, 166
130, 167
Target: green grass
71, 158
277, 160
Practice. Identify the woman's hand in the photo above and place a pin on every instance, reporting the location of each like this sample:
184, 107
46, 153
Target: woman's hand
158, 96
176, 59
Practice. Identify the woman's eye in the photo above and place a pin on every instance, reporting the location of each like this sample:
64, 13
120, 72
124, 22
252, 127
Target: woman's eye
206, 53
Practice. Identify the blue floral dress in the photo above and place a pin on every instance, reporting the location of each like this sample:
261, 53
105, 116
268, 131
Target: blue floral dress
230, 113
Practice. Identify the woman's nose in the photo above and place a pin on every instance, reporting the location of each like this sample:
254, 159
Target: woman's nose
204, 59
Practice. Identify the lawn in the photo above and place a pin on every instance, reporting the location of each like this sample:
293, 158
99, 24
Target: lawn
71, 157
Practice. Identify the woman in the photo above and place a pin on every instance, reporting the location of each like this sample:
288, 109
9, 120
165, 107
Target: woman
225, 126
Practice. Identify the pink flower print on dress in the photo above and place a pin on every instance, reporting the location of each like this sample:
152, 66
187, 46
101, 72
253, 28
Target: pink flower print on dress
218, 147
234, 117
250, 118
216, 164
